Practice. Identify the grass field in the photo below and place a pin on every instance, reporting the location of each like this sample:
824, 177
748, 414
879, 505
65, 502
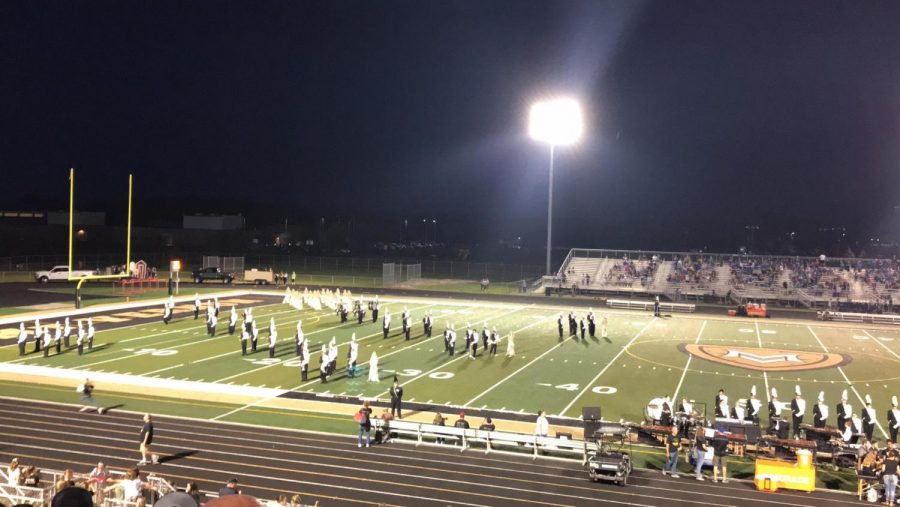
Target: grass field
641, 360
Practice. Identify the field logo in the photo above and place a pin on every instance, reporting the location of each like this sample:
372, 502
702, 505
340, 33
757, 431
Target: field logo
761, 359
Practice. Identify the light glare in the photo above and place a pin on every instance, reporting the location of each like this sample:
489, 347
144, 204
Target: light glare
557, 122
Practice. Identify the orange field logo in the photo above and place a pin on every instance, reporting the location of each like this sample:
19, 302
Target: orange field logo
760, 359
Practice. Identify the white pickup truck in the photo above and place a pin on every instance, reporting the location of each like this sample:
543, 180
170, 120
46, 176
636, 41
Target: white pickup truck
60, 274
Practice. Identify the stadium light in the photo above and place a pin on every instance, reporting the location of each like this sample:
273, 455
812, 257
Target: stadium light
556, 122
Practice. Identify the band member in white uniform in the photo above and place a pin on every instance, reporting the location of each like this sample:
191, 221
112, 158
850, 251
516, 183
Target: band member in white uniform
38, 335
775, 408
451, 341
820, 412
686, 407
485, 336
798, 409
604, 327
232, 322
869, 416
721, 404
592, 323
323, 365
211, 322
407, 325
245, 335
352, 357
216, 306
893, 419
844, 410
304, 362
511, 345
57, 338
375, 304
79, 341
373, 368
167, 313
67, 333
386, 326
273, 337
48, 340
753, 407
300, 337
23, 337
196, 306
90, 333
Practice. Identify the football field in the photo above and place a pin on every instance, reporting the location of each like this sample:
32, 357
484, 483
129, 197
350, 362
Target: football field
644, 357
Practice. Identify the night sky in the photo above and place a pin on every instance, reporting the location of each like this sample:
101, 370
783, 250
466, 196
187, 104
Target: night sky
702, 117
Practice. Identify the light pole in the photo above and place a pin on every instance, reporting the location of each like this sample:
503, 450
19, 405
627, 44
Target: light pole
556, 122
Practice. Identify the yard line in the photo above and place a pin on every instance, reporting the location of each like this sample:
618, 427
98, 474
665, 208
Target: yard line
885, 347
765, 375
852, 388
464, 354
610, 363
551, 349
311, 382
688, 364
378, 333
215, 357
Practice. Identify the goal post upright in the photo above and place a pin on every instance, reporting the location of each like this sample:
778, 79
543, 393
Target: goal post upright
82, 279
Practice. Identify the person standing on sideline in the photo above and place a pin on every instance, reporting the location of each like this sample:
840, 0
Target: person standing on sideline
364, 418
889, 473
23, 337
87, 397
720, 465
397, 399
656, 306
146, 441
673, 442
700, 446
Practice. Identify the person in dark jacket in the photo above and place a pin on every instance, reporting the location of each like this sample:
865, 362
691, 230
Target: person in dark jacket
364, 418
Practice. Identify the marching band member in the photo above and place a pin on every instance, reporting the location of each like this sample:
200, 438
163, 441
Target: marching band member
798, 409
90, 333
79, 341
485, 336
216, 306
775, 408
254, 336
572, 323
67, 332
494, 340
57, 338
472, 340
753, 407
386, 326
196, 306
375, 304
820, 412
23, 337
559, 325
665, 418
604, 322
373, 367
273, 337
48, 340
721, 404
844, 410
407, 325
511, 345
893, 419
323, 365
300, 337
451, 340
245, 335
352, 356
38, 335
592, 323
868, 418
686, 407
582, 327
304, 362
232, 322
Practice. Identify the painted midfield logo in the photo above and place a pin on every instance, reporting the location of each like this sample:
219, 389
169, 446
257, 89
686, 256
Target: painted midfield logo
760, 359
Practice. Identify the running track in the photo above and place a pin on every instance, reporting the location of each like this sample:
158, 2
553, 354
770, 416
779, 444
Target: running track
331, 468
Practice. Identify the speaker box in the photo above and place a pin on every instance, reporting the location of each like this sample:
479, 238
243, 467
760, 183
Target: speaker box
590, 414
590, 428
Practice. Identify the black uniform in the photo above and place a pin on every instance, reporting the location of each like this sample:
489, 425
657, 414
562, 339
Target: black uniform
796, 417
773, 413
559, 324
582, 327
386, 327
719, 407
868, 424
397, 401
375, 312
485, 336
665, 418
818, 419
244, 344
592, 325
839, 412
892, 424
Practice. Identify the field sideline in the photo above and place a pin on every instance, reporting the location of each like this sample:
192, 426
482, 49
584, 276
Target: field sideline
643, 359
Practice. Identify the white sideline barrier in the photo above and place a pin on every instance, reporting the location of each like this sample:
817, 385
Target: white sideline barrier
490, 438
873, 318
631, 304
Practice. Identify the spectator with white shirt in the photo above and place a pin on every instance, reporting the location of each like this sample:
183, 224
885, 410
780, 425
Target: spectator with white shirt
542, 425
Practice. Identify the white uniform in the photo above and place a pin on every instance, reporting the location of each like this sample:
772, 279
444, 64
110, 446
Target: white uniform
373, 368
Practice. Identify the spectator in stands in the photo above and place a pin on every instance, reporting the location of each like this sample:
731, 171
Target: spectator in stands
542, 425
233, 501
194, 492
132, 486
488, 425
438, 421
385, 431
31, 477
461, 422
13, 472
65, 480
282, 501
72, 497
230, 488
98, 478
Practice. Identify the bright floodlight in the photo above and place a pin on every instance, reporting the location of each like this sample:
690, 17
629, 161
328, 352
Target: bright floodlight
557, 122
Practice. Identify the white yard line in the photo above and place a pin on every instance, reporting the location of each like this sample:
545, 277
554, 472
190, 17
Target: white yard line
511, 375
610, 363
765, 375
465, 355
852, 388
215, 357
885, 347
163, 369
688, 364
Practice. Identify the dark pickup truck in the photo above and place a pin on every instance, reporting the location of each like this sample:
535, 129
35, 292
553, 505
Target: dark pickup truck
204, 274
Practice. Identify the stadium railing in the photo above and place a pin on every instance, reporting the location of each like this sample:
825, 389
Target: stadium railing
632, 304
873, 318
533, 444
23, 494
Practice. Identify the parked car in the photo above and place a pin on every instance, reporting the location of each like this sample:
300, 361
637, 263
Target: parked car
211, 273
61, 274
